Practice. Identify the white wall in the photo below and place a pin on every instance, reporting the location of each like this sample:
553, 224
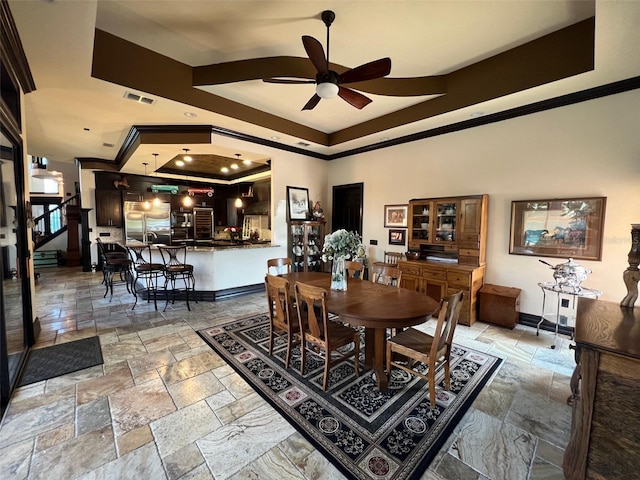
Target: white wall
587, 149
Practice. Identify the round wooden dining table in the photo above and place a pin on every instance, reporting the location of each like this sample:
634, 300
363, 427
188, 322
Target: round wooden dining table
374, 306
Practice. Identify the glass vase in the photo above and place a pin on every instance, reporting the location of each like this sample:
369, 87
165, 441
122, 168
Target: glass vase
338, 275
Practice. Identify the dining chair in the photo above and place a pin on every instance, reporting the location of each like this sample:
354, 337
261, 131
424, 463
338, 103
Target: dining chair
354, 269
146, 270
431, 350
281, 313
279, 265
318, 330
386, 275
392, 258
176, 269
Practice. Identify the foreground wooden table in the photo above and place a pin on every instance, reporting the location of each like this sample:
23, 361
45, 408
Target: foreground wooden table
375, 307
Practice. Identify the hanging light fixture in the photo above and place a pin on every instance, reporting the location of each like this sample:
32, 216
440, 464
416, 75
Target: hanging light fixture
238, 202
187, 201
186, 157
146, 204
156, 200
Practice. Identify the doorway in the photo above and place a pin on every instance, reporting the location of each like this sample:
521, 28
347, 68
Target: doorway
16, 332
347, 207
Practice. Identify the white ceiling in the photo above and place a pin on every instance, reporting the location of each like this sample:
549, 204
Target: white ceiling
421, 37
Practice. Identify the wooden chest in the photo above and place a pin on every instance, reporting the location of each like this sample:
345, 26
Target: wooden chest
499, 305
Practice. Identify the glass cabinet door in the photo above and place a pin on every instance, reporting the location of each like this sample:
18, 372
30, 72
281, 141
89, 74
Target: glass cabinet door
314, 248
445, 221
305, 246
421, 221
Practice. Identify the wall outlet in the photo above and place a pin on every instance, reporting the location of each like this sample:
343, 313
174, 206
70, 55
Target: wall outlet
373, 242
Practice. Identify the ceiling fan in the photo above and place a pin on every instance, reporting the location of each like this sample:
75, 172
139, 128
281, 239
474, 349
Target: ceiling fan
329, 84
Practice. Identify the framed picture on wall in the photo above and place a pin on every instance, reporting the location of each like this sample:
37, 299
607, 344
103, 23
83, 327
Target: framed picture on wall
397, 237
396, 216
563, 228
298, 203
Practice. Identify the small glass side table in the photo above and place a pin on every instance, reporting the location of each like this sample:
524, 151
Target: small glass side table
565, 298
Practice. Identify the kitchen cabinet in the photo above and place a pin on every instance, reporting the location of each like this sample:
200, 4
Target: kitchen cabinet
305, 245
452, 227
109, 208
439, 279
604, 441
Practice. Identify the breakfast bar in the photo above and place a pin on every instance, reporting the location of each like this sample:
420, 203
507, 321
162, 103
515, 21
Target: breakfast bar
227, 269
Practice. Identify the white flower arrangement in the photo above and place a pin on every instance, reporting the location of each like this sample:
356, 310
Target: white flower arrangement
342, 244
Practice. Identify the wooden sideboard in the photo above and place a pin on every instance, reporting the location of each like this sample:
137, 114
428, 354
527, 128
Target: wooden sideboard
605, 393
439, 279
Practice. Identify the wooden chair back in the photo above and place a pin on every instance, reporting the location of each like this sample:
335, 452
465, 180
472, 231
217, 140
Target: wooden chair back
317, 329
445, 341
313, 301
354, 269
280, 311
279, 265
386, 274
428, 349
392, 257
279, 300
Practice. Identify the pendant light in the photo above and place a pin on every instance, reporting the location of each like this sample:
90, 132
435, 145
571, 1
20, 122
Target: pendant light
238, 202
156, 200
146, 204
187, 201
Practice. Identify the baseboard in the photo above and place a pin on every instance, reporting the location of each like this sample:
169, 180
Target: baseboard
203, 295
532, 321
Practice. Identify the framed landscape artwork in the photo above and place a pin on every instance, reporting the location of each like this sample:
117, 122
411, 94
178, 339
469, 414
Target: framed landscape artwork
562, 228
298, 203
396, 216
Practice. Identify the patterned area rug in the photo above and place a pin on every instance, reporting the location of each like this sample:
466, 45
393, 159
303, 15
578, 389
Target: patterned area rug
50, 362
363, 432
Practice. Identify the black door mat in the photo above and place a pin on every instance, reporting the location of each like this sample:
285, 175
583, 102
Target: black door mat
57, 360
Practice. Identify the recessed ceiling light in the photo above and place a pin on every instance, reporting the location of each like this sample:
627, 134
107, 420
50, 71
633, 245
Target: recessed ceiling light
274, 137
384, 139
180, 163
234, 166
224, 169
247, 162
190, 114
477, 114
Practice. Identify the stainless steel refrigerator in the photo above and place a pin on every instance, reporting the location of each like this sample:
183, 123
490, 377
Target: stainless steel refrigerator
148, 223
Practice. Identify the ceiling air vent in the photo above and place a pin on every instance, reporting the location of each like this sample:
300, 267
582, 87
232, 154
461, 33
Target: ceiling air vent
139, 98
108, 145
303, 144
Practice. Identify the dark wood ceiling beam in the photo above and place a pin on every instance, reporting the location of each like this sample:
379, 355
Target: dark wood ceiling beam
299, 67
558, 55
124, 63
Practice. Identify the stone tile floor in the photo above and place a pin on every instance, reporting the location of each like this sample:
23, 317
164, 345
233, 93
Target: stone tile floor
164, 405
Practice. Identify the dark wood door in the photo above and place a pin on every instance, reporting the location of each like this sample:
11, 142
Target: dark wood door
347, 207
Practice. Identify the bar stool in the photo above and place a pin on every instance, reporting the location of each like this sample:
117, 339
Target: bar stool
145, 270
112, 265
176, 269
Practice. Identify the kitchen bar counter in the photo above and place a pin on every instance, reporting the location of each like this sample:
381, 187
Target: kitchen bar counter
228, 269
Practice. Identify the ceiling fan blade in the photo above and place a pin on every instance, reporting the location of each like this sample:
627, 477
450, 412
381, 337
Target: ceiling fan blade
310, 105
286, 80
368, 71
315, 52
354, 98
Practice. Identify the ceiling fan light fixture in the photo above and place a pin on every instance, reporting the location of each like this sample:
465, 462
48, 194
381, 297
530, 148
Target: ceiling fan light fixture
327, 90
